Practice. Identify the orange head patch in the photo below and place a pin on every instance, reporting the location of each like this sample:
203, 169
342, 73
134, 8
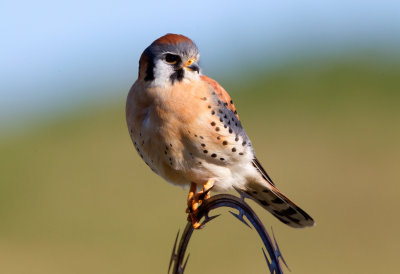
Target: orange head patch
171, 38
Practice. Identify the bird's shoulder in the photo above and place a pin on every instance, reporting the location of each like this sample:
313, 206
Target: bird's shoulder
222, 94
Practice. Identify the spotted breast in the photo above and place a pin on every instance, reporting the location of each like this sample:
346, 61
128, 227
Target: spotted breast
185, 127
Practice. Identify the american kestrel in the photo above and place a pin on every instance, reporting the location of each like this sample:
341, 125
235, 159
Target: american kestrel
185, 127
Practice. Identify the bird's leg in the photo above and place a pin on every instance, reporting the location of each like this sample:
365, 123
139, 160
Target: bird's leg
196, 199
190, 200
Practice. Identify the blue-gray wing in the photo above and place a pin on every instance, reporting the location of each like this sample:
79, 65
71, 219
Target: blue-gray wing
229, 119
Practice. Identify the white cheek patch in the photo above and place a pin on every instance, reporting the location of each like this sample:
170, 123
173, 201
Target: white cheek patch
162, 73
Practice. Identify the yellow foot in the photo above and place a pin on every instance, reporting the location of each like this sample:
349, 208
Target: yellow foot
196, 199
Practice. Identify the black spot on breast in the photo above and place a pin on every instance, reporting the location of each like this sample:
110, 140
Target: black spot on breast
203, 145
218, 137
244, 143
195, 135
231, 102
204, 98
240, 153
220, 111
205, 151
237, 139
213, 123
209, 106
217, 129
201, 137
224, 143
213, 155
165, 152
226, 104
222, 159
221, 120
233, 149
230, 130
213, 112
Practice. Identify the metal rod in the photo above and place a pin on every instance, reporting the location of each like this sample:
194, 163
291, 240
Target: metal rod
231, 201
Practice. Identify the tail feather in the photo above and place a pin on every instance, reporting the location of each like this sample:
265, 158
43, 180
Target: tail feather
270, 198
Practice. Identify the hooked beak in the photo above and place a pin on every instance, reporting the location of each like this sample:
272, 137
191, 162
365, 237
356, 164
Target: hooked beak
192, 65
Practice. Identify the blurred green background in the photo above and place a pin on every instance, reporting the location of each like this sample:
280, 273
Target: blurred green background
76, 198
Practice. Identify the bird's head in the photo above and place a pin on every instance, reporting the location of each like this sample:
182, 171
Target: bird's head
169, 59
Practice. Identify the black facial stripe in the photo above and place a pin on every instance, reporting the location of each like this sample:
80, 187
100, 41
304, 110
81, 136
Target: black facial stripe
149, 71
150, 65
177, 75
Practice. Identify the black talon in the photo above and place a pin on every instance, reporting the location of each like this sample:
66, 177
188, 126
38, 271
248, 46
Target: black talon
205, 192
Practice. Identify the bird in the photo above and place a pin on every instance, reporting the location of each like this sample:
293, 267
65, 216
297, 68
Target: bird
185, 127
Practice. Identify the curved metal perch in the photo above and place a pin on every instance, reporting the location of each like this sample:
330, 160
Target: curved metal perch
227, 200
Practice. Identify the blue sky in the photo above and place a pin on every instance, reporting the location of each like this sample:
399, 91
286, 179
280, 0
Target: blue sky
57, 54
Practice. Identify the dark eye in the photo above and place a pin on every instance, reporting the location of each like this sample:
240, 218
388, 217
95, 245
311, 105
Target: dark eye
171, 58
